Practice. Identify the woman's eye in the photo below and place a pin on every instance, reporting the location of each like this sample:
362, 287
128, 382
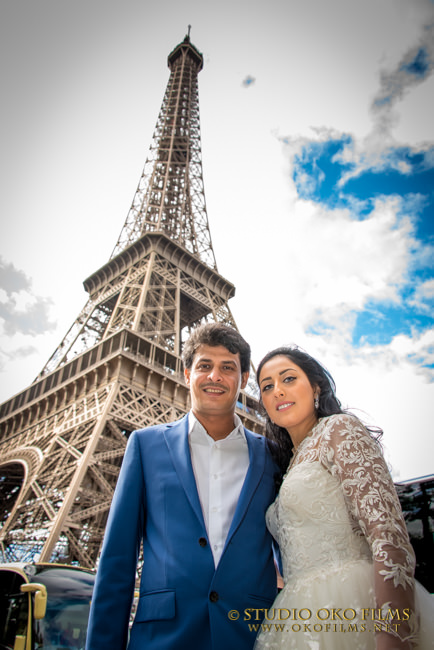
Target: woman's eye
266, 387
289, 379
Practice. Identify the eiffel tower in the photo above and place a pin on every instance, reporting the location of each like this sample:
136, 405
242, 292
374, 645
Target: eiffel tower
119, 366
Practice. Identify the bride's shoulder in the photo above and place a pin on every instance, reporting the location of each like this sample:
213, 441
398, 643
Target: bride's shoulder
339, 420
339, 426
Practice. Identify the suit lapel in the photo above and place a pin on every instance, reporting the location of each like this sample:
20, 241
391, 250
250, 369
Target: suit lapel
176, 436
251, 482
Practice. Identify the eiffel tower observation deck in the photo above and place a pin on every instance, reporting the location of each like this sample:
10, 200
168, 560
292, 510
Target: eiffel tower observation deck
119, 366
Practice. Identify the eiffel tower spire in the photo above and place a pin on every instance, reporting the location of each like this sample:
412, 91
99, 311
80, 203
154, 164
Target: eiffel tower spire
119, 366
170, 196
168, 211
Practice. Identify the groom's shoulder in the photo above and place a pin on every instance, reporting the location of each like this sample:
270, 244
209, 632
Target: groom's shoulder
158, 429
263, 446
258, 439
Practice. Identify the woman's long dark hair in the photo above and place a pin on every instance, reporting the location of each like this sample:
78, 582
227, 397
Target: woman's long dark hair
280, 441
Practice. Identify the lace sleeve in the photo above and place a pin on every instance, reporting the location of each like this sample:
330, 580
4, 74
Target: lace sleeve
352, 455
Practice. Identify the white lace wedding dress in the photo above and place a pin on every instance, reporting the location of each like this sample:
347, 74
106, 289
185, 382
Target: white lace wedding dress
345, 550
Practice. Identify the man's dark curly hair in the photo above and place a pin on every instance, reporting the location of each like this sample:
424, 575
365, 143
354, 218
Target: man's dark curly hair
215, 334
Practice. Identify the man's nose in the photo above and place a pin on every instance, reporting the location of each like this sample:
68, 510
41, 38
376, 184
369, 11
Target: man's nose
214, 375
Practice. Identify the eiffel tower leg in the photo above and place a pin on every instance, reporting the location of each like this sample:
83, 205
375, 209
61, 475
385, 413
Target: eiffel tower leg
143, 294
82, 466
177, 321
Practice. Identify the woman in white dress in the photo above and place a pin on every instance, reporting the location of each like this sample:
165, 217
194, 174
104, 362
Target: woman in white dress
348, 565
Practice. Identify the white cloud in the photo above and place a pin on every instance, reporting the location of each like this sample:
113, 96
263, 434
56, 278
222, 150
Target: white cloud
423, 296
33, 319
418, 348
414, 69
415, 66
393, 393
12, 280
339, 262
20, 309
16, 355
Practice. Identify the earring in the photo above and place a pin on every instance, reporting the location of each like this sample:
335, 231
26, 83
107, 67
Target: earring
316, 402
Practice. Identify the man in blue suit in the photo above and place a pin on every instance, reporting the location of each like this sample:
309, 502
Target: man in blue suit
194, 492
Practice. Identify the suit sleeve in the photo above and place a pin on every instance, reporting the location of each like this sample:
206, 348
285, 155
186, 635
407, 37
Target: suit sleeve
114, 585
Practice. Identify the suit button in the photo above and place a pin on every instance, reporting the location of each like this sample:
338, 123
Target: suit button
213, 596
202, 541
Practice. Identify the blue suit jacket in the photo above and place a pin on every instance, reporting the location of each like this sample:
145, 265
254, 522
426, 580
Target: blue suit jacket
184, 600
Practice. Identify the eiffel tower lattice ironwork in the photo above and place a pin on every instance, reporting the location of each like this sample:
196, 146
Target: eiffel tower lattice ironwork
119, 367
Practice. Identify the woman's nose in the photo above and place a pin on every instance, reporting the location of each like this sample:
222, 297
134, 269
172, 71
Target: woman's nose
278, 392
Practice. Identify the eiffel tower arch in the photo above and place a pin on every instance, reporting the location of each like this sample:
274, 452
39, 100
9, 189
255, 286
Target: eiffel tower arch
119, 366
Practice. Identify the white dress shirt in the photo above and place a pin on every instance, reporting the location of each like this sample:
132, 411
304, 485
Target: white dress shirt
220, 468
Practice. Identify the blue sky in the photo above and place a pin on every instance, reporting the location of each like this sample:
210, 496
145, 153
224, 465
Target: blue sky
317, 147
322, 175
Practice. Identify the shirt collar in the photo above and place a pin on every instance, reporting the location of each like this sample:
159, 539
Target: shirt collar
197, 432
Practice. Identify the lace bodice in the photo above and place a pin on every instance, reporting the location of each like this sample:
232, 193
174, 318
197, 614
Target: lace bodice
337, 504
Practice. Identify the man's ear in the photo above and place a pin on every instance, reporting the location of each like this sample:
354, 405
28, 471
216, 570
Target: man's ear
187, 376
244, 379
